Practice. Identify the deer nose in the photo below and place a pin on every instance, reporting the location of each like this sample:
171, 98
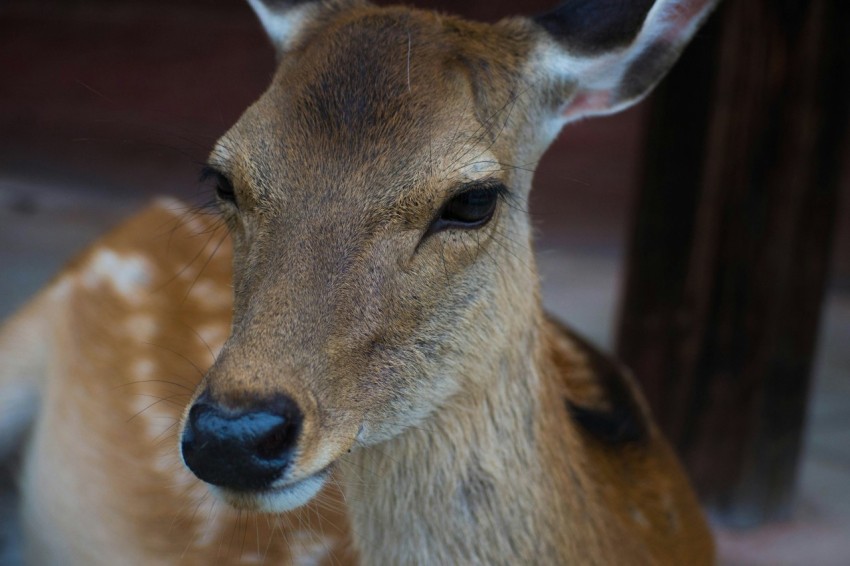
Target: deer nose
245, 449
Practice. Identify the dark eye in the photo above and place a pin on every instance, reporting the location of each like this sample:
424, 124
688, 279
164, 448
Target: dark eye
474, 206
469, 209
223, 186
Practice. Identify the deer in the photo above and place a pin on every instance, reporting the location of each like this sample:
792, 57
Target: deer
349, 363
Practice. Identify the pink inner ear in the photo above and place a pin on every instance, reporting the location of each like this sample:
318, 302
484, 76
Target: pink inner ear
587, 103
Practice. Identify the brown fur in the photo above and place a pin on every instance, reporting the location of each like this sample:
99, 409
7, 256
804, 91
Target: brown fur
103, 482
430, 379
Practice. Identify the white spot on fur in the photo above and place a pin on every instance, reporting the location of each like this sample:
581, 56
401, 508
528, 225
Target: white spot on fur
142, 327
248, 557
172, 205
309, 549
127, 274
212, 527
184, 216
213, 336
143, 368
189, 272
61, 288
209, 294
154, 413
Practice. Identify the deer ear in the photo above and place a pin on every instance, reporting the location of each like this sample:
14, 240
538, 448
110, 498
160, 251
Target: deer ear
609, 54
284, 20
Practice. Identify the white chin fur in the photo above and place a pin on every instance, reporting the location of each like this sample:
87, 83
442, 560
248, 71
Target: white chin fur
276, 499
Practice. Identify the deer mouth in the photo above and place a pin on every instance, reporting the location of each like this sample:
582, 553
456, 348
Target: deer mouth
277, 498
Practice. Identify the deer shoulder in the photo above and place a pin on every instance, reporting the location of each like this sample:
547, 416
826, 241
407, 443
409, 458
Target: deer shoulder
636, 473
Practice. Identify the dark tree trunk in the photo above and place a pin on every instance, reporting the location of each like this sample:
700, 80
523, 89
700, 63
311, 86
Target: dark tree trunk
731, 243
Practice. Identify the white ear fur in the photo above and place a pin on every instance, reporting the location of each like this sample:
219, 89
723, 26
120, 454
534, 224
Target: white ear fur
283, 21
609, 81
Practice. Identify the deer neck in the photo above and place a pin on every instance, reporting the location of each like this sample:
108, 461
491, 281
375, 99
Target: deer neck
473, 483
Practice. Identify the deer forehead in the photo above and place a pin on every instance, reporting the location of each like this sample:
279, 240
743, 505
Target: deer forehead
380, 100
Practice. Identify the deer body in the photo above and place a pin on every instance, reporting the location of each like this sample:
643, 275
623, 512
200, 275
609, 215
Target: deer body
386, 332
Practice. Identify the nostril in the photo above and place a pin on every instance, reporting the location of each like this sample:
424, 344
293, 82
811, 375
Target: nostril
241, 449
277, 440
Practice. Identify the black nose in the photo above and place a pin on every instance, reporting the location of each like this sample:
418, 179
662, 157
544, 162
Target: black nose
244, 449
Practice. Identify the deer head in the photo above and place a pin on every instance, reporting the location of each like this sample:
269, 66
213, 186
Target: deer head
376, 194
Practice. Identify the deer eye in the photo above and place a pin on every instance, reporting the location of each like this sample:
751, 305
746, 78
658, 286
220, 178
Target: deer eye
223, 187
469, 209
224, 190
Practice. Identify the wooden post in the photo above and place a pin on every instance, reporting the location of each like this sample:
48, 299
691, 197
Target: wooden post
731, 243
